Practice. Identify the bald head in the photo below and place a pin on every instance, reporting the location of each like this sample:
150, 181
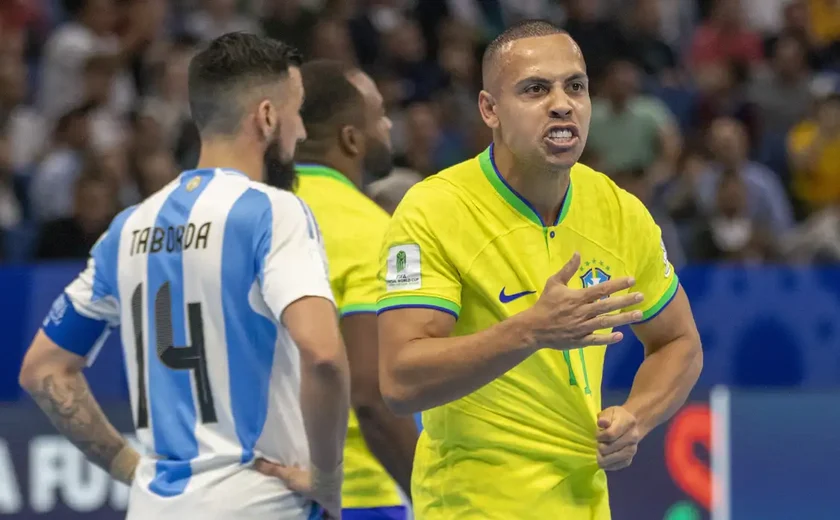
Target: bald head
502, 43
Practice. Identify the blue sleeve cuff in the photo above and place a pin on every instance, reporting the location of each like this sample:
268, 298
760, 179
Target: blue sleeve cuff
72, 331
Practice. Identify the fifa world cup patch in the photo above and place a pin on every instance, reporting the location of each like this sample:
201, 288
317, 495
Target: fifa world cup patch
403, 271
665, 258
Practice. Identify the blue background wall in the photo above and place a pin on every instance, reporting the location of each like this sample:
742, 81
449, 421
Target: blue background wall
762, 326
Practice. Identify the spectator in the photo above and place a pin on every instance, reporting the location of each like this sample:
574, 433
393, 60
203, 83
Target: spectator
422, 139
600, 40
74, 236
796, 23
780, 93
107, 130
90, 32
216, 18
733, 233
722, 93
725, 38
765, 199
51, 190
645, 45
169, 105
330, 39
629, 131
814, 149
11, 209
25, 126
405, 54
290, 21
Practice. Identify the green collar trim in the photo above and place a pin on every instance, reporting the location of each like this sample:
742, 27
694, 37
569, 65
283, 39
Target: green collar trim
512, 197
317, 170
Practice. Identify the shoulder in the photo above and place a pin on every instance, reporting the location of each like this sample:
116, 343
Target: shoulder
450, 189
592, 189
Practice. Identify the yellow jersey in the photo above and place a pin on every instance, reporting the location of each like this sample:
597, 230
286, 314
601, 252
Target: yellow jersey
820, 185
353, 227
464, 242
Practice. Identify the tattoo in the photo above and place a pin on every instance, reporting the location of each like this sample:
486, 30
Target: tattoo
68, 403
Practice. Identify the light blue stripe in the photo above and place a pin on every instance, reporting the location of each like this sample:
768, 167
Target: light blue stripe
309, 220
250, 337
170, 392
105, 256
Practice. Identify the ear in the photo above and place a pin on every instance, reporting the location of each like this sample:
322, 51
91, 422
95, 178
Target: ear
351, 141
267, 119
487, 108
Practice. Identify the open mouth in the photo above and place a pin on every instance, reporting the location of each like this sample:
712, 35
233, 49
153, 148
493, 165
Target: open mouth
561, 137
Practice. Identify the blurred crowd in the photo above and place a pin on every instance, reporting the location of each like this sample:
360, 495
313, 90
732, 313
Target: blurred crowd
723, 116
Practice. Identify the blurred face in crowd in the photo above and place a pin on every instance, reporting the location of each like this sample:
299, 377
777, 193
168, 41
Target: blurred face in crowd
732, 229
377, 132
536, 100
647, 17
284, 133
76, 132
458, 61
728, 142
732, 196
100, 16
789, 57
796, 15
12, 82
622, 81
331, 40
405, 43
422, 125
95, 205
98, 79
727, 12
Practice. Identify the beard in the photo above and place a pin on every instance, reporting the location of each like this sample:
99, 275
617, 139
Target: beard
378, 161
277, 171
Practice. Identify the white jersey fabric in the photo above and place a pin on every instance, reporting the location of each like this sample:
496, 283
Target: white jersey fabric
197, 276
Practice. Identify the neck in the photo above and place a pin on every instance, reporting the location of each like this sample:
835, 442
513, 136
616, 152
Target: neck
232, 154
332, 158
543, 186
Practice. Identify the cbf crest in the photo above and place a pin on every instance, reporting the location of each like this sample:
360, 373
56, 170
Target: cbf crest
594, 272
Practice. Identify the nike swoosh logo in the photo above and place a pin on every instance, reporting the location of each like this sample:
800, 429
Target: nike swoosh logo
507, 298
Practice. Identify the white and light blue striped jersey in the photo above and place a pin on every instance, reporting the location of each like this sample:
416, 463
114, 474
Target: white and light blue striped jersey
197, 276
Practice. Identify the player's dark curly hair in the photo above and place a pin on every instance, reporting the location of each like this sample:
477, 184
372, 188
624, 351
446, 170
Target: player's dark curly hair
229, 65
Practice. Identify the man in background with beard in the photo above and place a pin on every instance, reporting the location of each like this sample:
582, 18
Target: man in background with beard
232, 346
348, 135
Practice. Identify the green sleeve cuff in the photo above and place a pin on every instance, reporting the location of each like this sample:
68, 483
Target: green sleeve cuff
388, 303
663, 301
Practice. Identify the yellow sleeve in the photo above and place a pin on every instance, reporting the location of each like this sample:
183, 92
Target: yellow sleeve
648, 259
415, 268
360, 284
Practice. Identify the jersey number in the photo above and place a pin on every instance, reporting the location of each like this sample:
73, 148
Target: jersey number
190, 357
572, 379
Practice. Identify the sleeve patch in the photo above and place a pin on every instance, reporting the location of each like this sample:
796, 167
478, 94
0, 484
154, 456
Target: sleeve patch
665, 258
403, 269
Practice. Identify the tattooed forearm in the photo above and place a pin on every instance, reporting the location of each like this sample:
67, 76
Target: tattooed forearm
68, 403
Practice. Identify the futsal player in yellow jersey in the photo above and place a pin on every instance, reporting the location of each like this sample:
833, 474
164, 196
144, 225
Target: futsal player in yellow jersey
348, 133
503, 277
